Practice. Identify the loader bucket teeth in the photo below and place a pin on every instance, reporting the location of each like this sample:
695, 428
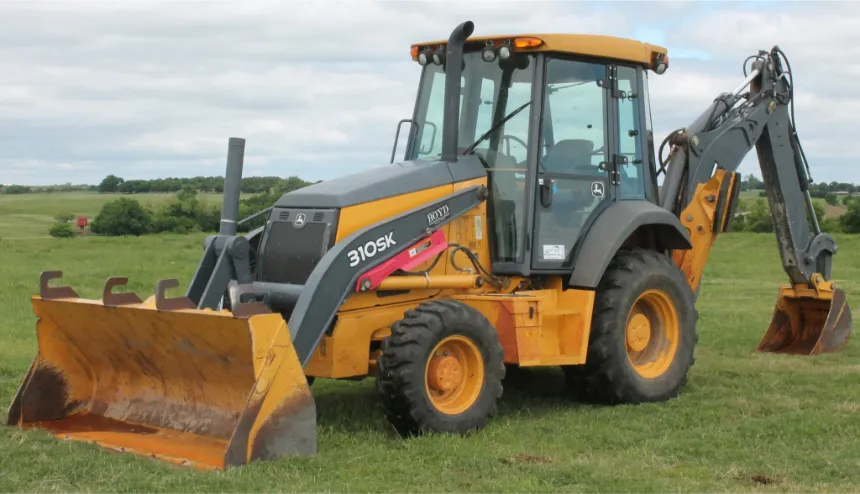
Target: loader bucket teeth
808, 322
50, 293
115, 299
204, 388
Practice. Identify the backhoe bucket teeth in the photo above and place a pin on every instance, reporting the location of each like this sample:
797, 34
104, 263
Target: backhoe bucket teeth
808, 322
203, 388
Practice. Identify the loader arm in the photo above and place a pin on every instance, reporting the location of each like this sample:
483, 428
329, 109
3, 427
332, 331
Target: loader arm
702, 186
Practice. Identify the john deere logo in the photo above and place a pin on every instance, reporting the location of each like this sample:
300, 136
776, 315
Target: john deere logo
299, 220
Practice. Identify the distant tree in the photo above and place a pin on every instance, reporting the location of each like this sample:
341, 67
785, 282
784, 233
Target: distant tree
123, 216
64, 218
751, 183
17, 189
110, 184
831, 199
758, 220
850, 219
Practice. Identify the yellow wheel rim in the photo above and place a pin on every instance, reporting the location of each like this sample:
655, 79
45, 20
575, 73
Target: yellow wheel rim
455, 375
652, 334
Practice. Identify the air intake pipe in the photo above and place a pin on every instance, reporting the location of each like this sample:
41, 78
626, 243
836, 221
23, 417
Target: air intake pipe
453, 72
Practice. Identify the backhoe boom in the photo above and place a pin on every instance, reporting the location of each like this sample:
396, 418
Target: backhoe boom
701, 183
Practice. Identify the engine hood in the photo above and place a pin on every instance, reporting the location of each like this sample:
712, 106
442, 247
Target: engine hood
381, 182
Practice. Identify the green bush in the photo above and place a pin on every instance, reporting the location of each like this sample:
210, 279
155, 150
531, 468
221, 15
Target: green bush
62, 230
831, 199
187, 214
850, 220
123, 216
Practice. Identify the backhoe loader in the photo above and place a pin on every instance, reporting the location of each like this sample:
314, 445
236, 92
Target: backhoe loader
529, 231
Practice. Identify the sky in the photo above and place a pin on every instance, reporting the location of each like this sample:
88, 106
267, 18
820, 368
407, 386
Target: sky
155, 89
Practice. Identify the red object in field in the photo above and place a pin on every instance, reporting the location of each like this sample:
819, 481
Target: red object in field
83, 222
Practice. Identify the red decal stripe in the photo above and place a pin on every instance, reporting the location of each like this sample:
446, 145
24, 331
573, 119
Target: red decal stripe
415, 255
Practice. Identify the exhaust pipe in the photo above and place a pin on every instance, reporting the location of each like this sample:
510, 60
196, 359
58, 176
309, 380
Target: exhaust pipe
453, 71
232, 187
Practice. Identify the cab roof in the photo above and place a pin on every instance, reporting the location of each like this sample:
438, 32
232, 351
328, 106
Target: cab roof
592, 45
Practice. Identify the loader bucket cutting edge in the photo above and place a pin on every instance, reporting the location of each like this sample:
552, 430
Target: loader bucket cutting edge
193, 387
808, 322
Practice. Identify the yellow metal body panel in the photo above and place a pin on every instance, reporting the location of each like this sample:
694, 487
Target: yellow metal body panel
535, 327
591, 45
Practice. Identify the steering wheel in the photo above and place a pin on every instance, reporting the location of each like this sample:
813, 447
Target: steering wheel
508, 138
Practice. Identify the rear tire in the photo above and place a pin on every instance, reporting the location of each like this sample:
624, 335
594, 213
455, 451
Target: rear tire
643, 333
441, 370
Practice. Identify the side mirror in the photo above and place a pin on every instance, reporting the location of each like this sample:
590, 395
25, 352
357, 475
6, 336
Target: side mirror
546, 190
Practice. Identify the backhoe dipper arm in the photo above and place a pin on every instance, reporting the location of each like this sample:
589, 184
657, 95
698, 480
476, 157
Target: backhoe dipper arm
701, 183
701, 186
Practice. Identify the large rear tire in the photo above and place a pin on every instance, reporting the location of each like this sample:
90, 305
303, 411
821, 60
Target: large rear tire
441, 370
643, 333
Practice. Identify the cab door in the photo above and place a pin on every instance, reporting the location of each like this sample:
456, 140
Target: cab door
573, 172
631, 176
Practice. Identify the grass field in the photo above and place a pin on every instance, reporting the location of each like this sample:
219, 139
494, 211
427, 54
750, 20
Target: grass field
746, 422
31, 215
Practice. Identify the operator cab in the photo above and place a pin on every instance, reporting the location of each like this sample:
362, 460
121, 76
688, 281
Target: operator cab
562, 135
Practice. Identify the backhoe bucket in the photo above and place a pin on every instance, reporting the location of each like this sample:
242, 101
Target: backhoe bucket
808, 321
209, 389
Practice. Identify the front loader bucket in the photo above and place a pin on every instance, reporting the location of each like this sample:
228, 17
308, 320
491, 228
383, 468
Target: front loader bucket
808, 321
160, 378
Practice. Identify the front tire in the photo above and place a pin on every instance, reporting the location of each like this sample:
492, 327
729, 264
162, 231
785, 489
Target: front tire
441, 370
643, 333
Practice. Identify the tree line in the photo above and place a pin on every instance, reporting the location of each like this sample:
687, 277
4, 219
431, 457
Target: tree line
113, 184
250, 185
184, 213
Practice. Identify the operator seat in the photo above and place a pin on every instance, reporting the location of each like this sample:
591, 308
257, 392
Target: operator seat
566, 155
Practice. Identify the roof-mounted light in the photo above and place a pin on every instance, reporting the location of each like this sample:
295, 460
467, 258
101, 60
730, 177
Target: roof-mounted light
505, 50
523, 43
489, 52
423, 59
659, 63
439, 55
414, 51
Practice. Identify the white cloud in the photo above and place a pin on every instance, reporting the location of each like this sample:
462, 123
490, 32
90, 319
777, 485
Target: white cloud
152, 89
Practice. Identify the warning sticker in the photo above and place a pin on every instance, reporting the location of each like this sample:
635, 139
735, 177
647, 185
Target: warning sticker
553, 252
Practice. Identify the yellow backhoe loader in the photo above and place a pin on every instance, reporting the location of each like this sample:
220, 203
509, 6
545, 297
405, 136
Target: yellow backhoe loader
530, 230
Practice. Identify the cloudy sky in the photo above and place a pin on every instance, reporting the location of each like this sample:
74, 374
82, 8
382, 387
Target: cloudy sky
151, 89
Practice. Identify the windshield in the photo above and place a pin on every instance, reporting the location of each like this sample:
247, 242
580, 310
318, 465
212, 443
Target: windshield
490, 92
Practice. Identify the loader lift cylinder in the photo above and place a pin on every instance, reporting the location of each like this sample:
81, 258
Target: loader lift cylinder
232, 186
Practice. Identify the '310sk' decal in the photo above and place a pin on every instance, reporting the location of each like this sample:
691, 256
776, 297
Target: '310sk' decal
367, 251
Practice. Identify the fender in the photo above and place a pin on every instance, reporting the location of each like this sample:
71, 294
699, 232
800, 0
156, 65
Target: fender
612, 228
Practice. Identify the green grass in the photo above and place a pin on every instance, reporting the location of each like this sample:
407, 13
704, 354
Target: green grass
745, 422
24, 216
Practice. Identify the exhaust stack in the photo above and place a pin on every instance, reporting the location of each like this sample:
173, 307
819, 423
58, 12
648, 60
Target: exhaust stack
232, 186
453, 72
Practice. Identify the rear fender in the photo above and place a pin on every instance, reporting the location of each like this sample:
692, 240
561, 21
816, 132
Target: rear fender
613, 227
